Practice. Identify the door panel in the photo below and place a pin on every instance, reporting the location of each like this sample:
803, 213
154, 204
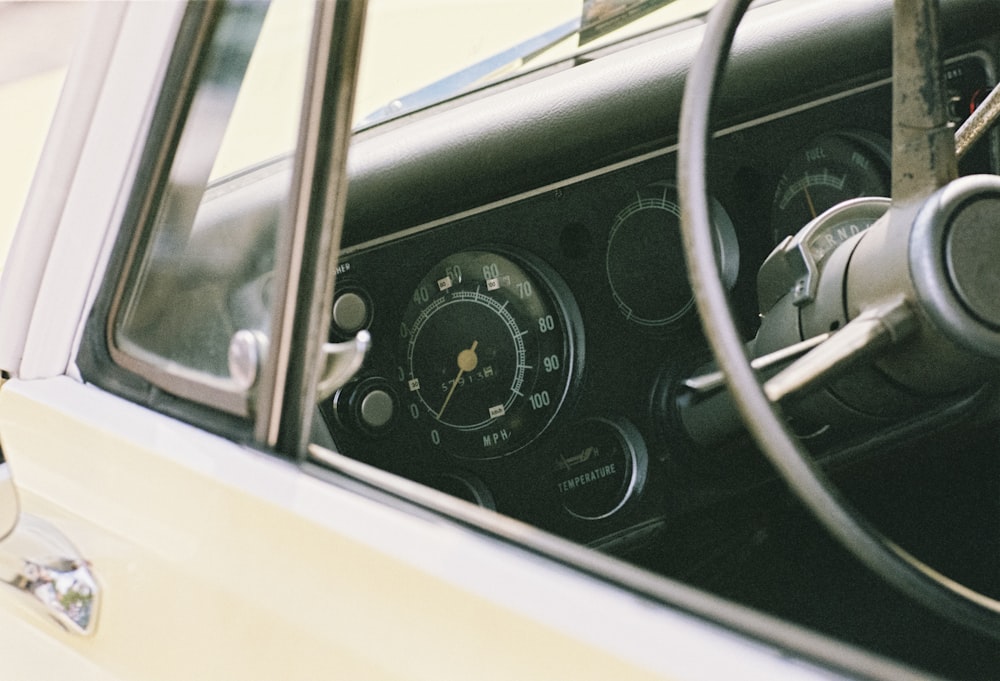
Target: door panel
220, 562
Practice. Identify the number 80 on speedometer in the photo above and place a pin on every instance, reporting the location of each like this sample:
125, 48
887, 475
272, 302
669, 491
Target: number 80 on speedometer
488, 352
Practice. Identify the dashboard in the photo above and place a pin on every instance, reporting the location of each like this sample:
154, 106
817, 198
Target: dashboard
529, 349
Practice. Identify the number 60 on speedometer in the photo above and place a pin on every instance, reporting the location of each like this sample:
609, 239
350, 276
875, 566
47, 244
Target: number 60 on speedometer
488, 352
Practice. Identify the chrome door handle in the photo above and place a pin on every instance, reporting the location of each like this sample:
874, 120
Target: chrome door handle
39, 562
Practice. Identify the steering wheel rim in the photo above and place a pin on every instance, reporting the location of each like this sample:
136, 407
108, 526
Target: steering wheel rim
955, 602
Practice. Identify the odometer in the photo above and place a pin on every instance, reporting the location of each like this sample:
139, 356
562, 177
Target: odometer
487, 354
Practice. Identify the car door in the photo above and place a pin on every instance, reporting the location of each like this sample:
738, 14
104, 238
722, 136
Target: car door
164, 312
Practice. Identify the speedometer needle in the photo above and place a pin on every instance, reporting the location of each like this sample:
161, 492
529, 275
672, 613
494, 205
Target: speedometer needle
467, 361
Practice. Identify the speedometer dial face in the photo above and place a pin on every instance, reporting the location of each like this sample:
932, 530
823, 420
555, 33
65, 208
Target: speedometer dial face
487, 354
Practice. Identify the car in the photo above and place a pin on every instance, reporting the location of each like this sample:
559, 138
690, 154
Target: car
337, 347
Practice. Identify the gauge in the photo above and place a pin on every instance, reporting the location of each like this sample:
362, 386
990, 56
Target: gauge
645, 257
488, 353
831, 169
598, 468
846, 220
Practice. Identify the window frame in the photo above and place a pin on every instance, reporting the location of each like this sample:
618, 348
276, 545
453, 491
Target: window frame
276, 412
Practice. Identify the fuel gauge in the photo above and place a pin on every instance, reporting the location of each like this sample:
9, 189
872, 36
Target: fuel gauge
831, 169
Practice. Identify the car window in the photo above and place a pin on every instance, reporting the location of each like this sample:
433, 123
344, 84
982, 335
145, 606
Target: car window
193, 314
200, 278
416, 54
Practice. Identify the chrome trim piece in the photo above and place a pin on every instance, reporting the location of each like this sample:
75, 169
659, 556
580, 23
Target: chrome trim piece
636, 582
9, 504
41, 564
340, 362
636, 476
196, 38
247, 349
307, 249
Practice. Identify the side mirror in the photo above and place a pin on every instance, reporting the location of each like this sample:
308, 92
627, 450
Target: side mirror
43, 566
8, 499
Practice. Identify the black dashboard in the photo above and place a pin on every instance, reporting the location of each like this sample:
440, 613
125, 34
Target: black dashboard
531, 322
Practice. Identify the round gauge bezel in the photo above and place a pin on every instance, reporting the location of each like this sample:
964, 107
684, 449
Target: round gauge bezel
487, 362
843, 164
637, 271
629, 450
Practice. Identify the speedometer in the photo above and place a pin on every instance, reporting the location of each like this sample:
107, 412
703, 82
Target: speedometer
488, 353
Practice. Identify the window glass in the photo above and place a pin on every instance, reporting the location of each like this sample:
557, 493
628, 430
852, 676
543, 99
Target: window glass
200, 275
417, 53
204, 272
265, 118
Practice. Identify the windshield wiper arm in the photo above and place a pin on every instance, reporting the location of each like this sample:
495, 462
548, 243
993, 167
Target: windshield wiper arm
464, 79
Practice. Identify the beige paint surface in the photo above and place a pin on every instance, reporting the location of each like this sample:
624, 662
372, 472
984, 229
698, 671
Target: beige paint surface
204, 578
36, 42
26, 108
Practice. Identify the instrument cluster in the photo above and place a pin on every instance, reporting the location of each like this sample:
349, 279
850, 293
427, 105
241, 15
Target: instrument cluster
526, 356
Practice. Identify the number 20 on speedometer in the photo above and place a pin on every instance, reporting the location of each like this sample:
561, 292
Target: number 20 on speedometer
487, 353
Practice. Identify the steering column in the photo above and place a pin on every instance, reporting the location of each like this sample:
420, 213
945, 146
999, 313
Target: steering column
913, 297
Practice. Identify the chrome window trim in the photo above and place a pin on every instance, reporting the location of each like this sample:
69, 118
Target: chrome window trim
194, 38
307, 252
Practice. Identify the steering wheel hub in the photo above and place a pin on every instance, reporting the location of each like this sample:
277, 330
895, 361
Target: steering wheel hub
955, 262
971, 249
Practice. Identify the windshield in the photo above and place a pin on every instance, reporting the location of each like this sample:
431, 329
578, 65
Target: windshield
420, 52
416, 54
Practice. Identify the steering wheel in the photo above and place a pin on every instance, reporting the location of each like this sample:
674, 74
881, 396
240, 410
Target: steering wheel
913, 289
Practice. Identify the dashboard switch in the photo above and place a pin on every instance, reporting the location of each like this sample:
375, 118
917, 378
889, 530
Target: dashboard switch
350, 312
369, 406
376, 409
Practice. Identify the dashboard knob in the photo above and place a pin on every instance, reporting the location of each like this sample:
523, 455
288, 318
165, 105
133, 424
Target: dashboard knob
376, 409
351, 312
369, 406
